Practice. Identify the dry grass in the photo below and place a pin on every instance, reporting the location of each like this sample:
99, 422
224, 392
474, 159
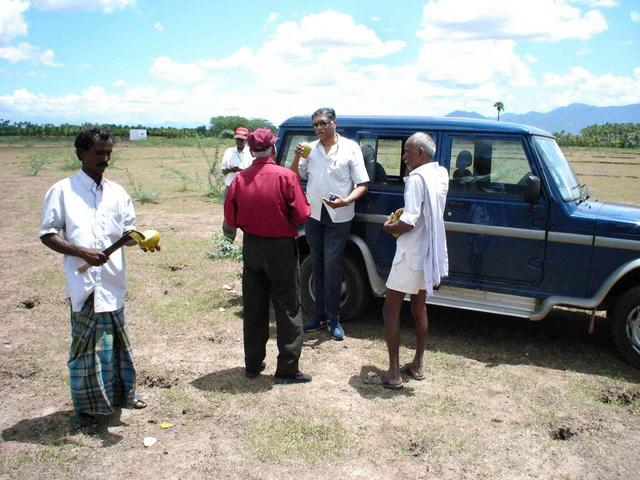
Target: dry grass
503, 398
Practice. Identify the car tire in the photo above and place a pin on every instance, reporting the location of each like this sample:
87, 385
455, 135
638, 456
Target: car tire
356, 292
625, 326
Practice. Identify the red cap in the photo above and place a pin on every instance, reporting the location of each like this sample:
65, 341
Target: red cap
241, 132
261, 139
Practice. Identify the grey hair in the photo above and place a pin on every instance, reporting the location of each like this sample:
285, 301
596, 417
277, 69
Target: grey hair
265, 153
423, 141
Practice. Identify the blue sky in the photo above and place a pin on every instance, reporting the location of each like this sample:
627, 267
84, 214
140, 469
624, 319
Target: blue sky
182, 62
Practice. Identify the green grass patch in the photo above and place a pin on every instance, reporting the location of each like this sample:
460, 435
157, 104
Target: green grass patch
298, 438
50, 461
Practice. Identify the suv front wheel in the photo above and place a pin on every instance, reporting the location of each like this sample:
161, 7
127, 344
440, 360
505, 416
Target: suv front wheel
355, 293
625, 326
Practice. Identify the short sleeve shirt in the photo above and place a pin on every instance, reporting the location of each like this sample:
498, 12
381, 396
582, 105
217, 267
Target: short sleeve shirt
337, 172
92, 216
233, 158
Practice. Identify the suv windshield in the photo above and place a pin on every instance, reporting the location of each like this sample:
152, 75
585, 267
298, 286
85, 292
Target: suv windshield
560, 170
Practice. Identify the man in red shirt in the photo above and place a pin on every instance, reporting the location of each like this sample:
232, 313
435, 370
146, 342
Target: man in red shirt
266, 202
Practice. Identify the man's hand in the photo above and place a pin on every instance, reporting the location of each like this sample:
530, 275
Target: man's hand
92, 256
152, 249
334, 201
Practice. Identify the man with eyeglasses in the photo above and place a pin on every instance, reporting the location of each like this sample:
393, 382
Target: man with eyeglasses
234, 160
336, 178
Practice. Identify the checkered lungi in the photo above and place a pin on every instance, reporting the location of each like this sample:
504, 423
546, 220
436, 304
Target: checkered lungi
100, 361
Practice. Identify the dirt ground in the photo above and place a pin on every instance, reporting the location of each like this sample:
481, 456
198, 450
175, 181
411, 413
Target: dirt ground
502, 398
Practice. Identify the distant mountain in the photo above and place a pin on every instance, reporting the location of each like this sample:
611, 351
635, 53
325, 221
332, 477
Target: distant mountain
463, 114
571, 118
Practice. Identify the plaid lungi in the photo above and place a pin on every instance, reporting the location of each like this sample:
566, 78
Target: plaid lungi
100, 361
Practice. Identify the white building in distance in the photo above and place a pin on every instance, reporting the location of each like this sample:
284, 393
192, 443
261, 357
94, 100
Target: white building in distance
137, 134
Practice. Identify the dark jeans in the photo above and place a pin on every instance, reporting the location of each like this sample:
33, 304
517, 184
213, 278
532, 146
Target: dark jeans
327, 241
271, 272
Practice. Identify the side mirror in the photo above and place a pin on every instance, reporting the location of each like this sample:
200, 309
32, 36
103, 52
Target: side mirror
532, 192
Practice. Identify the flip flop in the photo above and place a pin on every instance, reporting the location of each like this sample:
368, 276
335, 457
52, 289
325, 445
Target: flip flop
382, 379
138, 403
406, 369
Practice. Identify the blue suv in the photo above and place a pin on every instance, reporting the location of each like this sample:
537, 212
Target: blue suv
523, 235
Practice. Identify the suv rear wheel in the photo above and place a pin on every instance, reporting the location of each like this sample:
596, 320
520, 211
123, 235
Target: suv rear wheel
625, 326
355, 294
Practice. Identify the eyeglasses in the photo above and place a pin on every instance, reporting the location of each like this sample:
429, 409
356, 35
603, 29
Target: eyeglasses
321, 123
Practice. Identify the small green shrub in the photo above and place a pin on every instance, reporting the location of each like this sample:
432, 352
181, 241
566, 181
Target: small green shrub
141, 194
224, 248
186, 179
37, 164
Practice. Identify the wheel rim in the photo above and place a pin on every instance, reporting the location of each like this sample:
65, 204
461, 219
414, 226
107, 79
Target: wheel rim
344, 290
633, 328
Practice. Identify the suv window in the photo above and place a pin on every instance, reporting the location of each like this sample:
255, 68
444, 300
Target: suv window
289, 146
495, 167
383, 158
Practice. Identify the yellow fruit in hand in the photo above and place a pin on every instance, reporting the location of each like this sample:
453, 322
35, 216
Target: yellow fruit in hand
306, 149
396, 218
151, 239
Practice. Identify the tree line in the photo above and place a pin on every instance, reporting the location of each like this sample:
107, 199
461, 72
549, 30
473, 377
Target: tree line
219, 126
618, 135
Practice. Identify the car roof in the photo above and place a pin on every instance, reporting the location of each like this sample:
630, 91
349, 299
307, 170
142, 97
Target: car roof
364, 122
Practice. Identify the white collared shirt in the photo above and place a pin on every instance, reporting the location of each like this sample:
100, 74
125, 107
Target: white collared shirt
93, 216
425, 247
233, 158
338, 172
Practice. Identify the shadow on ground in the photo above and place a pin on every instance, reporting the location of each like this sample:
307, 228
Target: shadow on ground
561, 341
55, 429
232, 380
371, 391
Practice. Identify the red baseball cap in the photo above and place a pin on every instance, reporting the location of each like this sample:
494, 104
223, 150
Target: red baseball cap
261, 139
241, 132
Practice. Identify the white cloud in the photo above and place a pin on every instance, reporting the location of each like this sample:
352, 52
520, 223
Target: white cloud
300, 67
549, 20
635, 16
241, 58
158, 26
273, 16
583, 51
47, 59
84, 66
470, 43
106, 6
27, 52
166, 69
474, 62
580, 85
119, 83
12, 22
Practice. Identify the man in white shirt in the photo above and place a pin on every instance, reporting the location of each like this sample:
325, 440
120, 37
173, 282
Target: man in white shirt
336, 178
421, 259
234, 160
81, 216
